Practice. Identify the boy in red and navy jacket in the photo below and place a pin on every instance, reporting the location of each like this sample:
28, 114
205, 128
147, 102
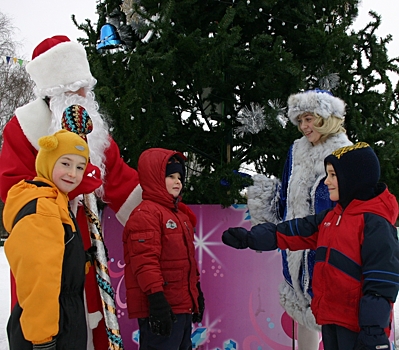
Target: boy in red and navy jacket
356, 277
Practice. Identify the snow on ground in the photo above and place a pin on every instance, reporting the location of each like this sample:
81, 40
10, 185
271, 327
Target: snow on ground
5, 303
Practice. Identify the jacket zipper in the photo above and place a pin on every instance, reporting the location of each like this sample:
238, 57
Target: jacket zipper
339, 218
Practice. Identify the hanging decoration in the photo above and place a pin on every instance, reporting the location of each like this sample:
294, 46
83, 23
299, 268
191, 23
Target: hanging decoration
109, 38
279, 109
329, 82
252, 120
13, 61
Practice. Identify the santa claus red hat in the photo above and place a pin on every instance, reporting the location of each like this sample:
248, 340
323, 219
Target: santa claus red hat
57, 61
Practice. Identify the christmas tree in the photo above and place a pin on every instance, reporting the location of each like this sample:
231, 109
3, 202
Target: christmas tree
211, 79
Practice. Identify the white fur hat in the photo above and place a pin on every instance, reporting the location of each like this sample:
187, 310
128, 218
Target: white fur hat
57, 61
321, 102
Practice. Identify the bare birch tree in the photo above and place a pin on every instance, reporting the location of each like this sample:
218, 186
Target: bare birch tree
16, 87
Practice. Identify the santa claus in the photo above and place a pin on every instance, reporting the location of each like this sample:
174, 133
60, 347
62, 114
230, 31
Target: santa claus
61, 72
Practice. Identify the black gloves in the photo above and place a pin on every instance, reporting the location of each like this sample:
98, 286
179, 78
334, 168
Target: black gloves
51, 345
236, 237
91, 255
197, 317
374, 316
371, 338
262, 237
90, 258
161, 315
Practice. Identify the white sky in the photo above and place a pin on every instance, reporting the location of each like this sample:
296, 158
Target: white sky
40, 19
35, 20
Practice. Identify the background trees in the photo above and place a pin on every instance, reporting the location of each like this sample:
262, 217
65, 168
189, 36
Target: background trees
16, 88
189, 68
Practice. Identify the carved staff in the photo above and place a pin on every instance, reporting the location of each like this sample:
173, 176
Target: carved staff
76, 119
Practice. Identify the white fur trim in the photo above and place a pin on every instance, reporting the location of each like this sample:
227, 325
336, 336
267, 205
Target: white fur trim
35, 120
263, 195
63, 64
307, 172
321, 103
135, 197
94, 318
297, 307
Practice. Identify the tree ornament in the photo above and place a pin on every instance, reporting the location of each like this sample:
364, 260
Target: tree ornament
329, 82
252, 120
279, 109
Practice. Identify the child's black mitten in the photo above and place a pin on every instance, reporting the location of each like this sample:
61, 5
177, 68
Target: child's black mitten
371, 338
236, 237
374, 317
197, 317
161, 314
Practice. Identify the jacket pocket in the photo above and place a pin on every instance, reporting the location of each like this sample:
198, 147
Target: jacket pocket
139, 242
173, 286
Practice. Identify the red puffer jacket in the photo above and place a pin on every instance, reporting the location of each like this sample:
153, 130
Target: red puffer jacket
158, 244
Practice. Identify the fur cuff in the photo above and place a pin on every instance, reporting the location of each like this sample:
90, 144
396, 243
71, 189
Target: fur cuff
263, 199
131, 202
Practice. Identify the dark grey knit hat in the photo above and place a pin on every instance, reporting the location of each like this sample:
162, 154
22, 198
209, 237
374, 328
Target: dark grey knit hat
176, 165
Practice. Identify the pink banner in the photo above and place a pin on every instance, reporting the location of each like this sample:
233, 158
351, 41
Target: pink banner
240, 287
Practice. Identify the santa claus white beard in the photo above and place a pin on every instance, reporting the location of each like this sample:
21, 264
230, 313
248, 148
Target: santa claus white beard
98, 139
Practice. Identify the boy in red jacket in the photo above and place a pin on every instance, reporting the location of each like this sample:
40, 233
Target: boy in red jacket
161, 274
355, 278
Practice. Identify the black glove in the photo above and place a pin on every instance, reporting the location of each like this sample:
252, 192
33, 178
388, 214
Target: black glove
197, 317
161, 315
91, 255
372, 338
51, 345
236, 237
374, 317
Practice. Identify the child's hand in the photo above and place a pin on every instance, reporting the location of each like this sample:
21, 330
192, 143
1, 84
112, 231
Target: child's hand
371, 338
161, 315
236, 237
374, 317
197, 317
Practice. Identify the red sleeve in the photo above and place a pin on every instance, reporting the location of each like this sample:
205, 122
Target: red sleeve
120, 179
142, 236
17, 157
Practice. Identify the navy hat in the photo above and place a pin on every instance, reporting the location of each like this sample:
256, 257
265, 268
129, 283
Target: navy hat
176, 165
358, 171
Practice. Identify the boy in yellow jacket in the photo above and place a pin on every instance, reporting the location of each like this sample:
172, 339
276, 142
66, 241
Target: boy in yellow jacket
45, 250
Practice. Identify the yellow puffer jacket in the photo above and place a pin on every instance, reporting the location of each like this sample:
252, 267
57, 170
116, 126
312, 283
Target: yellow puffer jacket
45, 259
